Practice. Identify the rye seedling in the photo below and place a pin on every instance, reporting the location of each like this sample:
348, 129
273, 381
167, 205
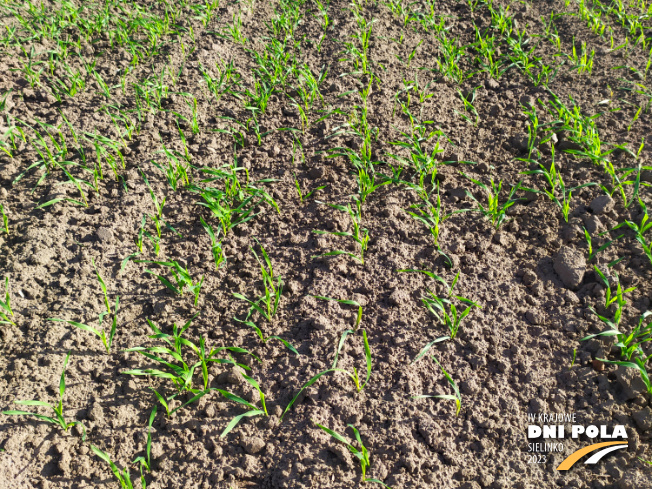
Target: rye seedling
630, 344
145, 461
100, 332
457, 397
494, 210
360, 235
557, 191
347, 302
216, 244
273, 289
353, 375
640, 230
124, 477
158, 205
361, 454
181, 372
589, 243
304, 197
253, 410
59, 419
5, 306
443, 308
5, 220
431, 215
181, 277
612, 298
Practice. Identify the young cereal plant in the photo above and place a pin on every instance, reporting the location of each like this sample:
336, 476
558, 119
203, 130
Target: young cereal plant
124, 477
145, 461
353, 375
253, 410
347, 302
468, 99
100, 332
360, 235
640, 230
273, 289
181, 373
216, 244
158, 205
494, 210
5, 306
557, 191
589, 242
630, 344
431, 215
304, 197
181, 277
639, 365
59, 419
5, 220
361, 454
457, 397
612, 298
443, 308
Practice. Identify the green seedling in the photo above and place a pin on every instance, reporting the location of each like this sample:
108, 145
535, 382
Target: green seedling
100, 332
494, 210
639, 365
181, 276
264, 339
141, 233
103, 287
158, 205
305, 197
107, 341
236, 204
353, 375
177, 171
629, 344
468, 99
361, 454
347, 302
5, 306
58, 420
5, 220
216, 245
457, 397
181, 372
266, 305
145, 461
360, 235
253, 410
431, 215
611, 298
640, 230
557, 192
573, 359
124, 477
443, 308
589, 243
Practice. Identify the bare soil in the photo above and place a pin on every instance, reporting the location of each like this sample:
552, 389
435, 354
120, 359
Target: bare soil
511, 357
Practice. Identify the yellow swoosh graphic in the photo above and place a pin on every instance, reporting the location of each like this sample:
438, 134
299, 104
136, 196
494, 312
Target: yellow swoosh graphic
575, 456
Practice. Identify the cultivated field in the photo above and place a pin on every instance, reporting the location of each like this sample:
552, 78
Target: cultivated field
302, 244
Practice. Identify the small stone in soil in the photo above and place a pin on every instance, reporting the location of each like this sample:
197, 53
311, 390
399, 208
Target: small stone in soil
602, 204
570, 265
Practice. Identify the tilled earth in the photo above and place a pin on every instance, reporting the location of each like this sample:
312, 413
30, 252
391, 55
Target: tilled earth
512, 355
